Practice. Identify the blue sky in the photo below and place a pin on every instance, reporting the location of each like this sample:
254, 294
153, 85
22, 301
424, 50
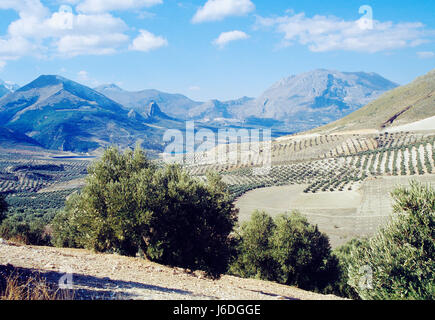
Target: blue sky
220, 49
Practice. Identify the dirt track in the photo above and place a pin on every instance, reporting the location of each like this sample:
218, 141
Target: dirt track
105, 276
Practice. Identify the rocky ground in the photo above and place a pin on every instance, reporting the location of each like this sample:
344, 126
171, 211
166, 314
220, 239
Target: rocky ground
107, 276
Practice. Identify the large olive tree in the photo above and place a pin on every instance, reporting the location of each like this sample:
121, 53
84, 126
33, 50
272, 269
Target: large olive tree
130, 205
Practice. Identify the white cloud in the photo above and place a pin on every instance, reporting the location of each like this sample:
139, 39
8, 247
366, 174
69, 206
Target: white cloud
216, 10
147, 41
195, 88
426, 54
73, 45
84, 77
2, 64
14, 47
329, 33
39, 32
226, 37
92, 6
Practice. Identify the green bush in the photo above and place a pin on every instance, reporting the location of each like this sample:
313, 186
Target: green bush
3, 207
344, 256
400, 257
287, 250
254, 250
128, 205
30, 233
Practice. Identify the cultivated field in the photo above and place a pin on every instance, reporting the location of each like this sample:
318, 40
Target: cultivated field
341, 182
40, 182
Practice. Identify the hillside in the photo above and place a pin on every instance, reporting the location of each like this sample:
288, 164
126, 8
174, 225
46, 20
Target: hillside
108, 277
9, 137
401, 106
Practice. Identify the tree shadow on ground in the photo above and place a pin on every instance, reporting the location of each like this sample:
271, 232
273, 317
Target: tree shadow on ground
85, 287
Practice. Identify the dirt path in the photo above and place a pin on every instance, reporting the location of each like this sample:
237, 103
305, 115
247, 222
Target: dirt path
106, 276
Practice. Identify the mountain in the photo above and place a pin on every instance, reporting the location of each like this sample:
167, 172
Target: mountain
314, 98
174, 105
64, 115
297, 103
399, 108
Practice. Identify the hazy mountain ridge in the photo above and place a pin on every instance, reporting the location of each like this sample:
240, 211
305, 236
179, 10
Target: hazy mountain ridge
296, 103
314, 98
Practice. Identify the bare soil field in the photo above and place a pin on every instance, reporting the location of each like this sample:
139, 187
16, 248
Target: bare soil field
341, 215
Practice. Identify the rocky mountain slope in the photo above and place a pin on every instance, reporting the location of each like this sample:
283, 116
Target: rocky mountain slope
107, 277
402, 107
314, 98
296, 103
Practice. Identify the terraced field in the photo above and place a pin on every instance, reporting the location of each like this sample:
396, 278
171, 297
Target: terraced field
331, 163
340, 182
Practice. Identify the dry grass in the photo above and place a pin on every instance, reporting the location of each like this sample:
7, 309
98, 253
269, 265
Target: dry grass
15, 286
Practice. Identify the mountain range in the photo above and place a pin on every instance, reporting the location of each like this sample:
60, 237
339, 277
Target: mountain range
60, 114
297, 103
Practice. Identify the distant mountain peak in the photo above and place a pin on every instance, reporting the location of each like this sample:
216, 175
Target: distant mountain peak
110, 86
45, 81
154, 111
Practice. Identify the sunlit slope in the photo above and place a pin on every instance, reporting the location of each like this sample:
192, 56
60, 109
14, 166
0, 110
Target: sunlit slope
400, 106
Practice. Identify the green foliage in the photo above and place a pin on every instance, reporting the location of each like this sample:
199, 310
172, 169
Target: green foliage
401, 256
254, 252
3, 207
129, 205
344, 255
30, 233
287, 250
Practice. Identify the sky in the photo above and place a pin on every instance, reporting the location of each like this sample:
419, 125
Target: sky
215, 49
